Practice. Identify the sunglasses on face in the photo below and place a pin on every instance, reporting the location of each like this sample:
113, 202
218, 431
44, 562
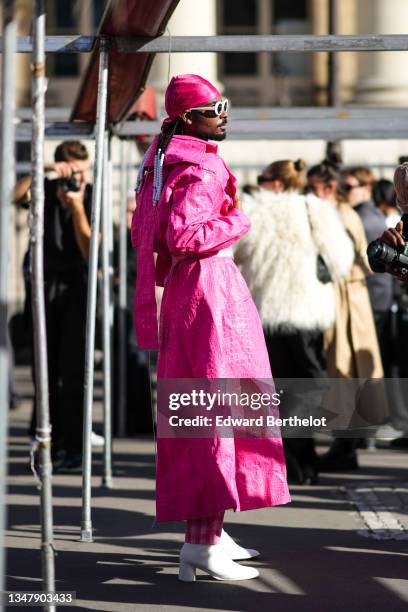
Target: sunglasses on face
219, 107
346, 187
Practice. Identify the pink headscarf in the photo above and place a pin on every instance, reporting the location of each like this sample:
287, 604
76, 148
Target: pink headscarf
186, 91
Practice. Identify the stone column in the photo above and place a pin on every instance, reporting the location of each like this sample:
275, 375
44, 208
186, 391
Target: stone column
382, 77
189, 19
319, 21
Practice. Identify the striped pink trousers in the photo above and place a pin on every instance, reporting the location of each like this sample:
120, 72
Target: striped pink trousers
205, 530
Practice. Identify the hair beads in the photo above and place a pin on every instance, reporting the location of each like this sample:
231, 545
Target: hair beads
158, 176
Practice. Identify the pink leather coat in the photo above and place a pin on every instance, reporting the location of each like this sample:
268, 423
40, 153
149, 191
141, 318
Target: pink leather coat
209, 328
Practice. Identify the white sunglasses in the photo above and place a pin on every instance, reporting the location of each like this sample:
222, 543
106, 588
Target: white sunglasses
218, 108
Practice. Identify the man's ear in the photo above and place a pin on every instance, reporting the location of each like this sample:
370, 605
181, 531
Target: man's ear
187, 118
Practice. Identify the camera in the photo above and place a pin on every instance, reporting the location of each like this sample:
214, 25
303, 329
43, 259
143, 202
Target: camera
385, 258
70, 184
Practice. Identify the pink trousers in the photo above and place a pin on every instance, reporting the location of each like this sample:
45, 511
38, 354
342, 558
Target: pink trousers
205, 530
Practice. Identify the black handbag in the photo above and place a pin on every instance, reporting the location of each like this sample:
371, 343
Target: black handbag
322, 271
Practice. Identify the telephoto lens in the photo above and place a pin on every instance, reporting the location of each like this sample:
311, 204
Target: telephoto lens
375, 253
378, 251
385, 258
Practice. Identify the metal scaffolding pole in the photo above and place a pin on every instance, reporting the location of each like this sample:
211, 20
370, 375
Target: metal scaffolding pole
122, 313
86, 523
324, 123
43, 429
341, 125
218, 44
107, 314
7, 164
108, 447
333, 90
256, 43
333, 148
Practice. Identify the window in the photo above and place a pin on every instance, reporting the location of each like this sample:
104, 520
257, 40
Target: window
66, 64
239, 13
240, 63
239, 17
287, 11
289, 18
63, 19
64, 15
265, 78
98, 8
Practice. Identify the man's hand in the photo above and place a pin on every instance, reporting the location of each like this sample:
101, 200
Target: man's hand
393, 236
62, 169
72, 199
66, 169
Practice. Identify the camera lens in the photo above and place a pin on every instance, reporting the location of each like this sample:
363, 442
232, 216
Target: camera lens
374, 250
379, 251
70, 184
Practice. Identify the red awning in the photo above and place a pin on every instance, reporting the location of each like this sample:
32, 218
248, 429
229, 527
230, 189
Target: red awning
127, 71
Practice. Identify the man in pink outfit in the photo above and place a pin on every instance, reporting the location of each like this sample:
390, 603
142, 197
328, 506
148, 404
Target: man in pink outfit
188, 214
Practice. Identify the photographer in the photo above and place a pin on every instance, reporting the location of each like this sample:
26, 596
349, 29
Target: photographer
67, 233
396, 238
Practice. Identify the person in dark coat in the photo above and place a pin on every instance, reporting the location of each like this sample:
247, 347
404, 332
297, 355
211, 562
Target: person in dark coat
67, 234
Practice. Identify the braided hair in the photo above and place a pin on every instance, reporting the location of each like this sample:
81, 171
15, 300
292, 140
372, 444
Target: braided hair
167, 133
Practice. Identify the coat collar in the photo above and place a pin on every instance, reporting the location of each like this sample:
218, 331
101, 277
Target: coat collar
182, 149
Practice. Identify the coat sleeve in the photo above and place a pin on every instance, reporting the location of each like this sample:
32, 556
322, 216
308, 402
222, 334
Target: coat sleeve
332, 239
357, 234
196, 224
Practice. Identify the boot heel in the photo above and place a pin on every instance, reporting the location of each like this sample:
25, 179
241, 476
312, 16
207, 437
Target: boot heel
187, 573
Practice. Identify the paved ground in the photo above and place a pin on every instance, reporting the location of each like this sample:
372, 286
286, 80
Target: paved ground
341, 545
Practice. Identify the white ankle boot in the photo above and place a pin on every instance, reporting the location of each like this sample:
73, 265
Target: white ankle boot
213, 559
235, 551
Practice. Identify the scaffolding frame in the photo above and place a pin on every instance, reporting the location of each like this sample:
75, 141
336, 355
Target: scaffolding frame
7, 162
338, 124
254, 43
43, 426
296, 123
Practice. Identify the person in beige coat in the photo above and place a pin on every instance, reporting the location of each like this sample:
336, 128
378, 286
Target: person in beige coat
352, 348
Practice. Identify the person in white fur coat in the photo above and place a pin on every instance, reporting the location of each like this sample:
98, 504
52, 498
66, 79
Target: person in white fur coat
278, 259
